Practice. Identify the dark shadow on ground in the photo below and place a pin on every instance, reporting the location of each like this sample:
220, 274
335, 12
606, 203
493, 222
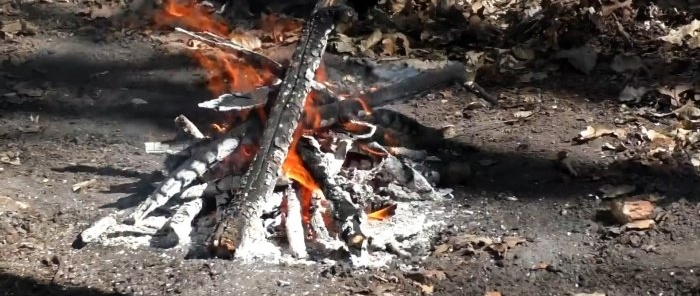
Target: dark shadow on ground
13, 285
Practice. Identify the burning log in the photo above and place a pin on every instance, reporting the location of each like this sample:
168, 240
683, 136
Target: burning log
239, 231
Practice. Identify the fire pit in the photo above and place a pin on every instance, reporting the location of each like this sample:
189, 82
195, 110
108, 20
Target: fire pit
297, 171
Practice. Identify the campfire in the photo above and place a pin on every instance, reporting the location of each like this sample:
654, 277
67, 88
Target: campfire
295, 168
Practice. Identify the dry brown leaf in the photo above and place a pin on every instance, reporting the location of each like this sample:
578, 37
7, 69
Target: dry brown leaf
396, 6
678, 36
245, 40
540, 266
475, 241
441, 249
8, 204
640, 225
681, 93
687, 111
103, 11
393, 43
427, 289
512, 241
695, 159
628, 211
281, 29
11, 27
596, 131
522, 114
371, 40
84, 185
659, 142
492, 293
342, 43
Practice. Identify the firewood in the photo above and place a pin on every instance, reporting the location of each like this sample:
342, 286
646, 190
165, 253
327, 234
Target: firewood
239, 232
188, 171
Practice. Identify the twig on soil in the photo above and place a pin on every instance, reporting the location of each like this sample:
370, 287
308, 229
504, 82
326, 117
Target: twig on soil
481, 92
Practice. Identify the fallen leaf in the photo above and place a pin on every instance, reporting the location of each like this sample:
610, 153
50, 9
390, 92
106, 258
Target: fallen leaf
688, 111
395, 43
617, 147
681, 93
596, 131
540, 266
103, 11
470, 240
245, 40
629, 211
10, 158
427, 289
279, 29
84, 185
371, 40
678, 36
640, 225
522, 114
492, 293
513, 241
11, 27
441, 249
341, 43
8, 204
695, 159
582, 58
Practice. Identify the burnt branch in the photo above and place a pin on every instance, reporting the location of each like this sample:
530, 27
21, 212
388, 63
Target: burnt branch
239, 231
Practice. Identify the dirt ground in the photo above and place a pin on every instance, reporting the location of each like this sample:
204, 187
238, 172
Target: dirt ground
79, 99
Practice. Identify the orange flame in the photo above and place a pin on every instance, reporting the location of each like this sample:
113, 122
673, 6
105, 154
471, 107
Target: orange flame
383, 213
190, 16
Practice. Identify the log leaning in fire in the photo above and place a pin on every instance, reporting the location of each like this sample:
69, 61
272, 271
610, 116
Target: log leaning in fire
412, 86
212, 153
239, 231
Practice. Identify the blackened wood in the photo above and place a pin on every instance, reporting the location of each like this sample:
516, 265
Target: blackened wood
239, 230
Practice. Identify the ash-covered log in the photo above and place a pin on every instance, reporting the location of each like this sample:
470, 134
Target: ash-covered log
239, 231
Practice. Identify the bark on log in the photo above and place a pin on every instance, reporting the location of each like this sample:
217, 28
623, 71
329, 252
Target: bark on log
239, 231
